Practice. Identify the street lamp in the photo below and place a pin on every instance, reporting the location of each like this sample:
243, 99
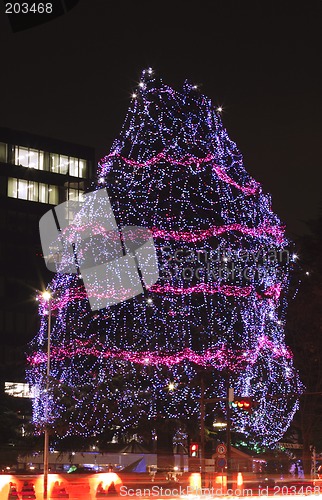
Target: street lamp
203, 401
47, 297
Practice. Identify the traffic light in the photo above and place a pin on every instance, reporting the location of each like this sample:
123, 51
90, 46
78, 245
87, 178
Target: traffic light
245, 404
194, 450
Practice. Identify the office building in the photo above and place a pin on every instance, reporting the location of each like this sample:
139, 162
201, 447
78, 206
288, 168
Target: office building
35, 174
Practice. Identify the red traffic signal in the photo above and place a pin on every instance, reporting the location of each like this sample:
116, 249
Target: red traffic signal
194, 450
243, 404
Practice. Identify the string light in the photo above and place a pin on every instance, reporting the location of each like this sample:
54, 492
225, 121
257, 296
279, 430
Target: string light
220, 302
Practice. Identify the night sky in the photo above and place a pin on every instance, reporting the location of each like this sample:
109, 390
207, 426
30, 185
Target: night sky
71, 79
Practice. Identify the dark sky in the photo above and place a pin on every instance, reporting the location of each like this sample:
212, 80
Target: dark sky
71, 79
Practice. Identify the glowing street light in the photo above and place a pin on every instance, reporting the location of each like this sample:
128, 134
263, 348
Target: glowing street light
46, 295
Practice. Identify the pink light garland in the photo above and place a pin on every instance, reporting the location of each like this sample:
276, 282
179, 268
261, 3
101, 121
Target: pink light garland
188, 236
199, 235
252, 189
79, 293
272, 292
217, 358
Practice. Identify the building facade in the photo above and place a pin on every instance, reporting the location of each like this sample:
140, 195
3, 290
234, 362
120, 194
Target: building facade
35, 174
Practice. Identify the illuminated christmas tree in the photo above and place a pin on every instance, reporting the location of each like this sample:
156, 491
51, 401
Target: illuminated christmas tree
219, 304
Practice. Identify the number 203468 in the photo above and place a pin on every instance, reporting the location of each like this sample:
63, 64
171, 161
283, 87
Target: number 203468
25, 8
296, 490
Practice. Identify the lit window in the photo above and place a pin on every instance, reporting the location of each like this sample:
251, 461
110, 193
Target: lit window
48, 194
82, 168
54, 163
34, 158
73, 194
18, 390
53, 195
59, 164
21, 156
41, 160
32, 191
22, 189
63, 164
30, 158
74, 191
43, 193
3, 152
73, 166
12, 187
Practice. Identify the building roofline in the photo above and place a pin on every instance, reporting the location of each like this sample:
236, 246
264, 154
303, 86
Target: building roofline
35, 141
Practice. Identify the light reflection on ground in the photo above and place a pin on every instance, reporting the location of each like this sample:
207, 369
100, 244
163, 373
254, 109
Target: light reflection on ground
111, 485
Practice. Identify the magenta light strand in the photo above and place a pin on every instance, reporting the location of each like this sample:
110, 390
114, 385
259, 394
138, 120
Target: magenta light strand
248, 190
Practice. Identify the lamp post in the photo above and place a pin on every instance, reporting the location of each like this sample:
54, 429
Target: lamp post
202, 431
48, 298
203, 401
229, 399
